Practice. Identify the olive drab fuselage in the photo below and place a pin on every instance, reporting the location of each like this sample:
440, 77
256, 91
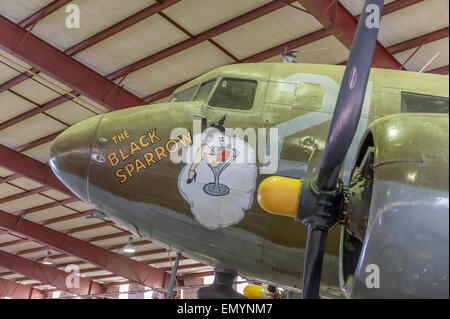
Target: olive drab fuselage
120, 162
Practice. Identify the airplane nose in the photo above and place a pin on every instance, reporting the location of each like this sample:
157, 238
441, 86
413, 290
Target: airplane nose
69, 155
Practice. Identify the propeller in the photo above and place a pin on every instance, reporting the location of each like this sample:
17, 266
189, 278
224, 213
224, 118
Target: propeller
321, 197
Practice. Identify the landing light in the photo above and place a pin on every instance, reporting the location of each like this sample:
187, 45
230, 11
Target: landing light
280, 195
129, 248
47, 260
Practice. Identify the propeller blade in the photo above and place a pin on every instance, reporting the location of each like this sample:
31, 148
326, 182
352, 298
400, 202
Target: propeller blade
351, 95
319, 203
315, 250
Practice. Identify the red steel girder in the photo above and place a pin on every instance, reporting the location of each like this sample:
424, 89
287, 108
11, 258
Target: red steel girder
301, 41
206, 35
41, 173
195, 275
16, 80
9, 178
31, 168
37, 110
298, 42
14, 290
418, 41
13, 242
122, 25
63, 68
96, 38
115, 263
88, 227
38, 142
29, 21
182, 29
203, 36
42, 13
67, 217
154, 261
46, 206
189, 266
44, 248
108, 236
24, 194
47, 275
331, 13
137, 254
397, 5
163, 93
181, 267
442, 70
68, 231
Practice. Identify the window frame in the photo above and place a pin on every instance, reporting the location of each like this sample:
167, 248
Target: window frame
213, 91
407, 94
196, 86
210, 93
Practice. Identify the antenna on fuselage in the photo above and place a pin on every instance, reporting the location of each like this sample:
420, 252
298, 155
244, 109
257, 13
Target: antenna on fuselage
289, 56
429, 62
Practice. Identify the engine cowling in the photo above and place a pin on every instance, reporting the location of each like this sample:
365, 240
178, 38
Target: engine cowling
396, 240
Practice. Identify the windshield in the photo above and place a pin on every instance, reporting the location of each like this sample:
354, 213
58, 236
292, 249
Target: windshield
205, 90
234, 94
185, 95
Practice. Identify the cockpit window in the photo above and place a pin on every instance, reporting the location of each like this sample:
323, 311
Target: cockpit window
205, 89
185, 95
421, 103
234, 94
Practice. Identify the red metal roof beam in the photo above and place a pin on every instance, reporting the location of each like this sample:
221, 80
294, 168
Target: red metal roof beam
442, 70
332, 14
47, 275
96, 38
203, 36
63, 68
120, 26
112, 262
8, 178
396, 5
14, 290
418, 41
301, 41
30, 168
42, 13
24, 194
38, 142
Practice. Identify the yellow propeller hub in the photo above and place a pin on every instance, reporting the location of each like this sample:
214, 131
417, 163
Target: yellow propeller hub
280, 195
252, 291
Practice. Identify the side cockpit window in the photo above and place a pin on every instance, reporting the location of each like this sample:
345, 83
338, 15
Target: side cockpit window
205, 89
422, 103
185, 95
234, 93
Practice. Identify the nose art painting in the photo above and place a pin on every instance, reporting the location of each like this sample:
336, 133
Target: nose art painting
219, 178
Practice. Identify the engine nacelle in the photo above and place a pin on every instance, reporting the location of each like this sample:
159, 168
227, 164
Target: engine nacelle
396, 240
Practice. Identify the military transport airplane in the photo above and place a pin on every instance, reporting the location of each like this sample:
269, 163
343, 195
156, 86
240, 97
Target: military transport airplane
224, 171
